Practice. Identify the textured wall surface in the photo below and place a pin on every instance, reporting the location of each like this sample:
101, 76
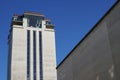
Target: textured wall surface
97, 57
18, 60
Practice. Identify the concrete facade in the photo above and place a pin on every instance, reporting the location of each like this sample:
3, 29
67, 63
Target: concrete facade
18, 56
97, 55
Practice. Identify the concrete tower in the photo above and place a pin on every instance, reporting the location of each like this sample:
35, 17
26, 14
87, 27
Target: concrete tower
32, 53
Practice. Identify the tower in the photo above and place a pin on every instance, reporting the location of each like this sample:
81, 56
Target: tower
31, 44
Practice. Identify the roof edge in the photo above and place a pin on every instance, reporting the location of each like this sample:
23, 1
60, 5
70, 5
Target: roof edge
33, 13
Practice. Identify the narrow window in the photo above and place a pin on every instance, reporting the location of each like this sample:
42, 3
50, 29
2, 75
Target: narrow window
28, 54
40, 55
34, 55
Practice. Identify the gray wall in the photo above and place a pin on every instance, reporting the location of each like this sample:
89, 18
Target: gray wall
98, 56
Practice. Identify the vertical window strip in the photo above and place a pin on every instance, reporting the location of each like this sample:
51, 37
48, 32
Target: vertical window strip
28, 54
40, 55
34, 55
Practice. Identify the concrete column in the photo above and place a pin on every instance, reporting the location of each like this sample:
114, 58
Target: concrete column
31, 55
24, 22
37, 55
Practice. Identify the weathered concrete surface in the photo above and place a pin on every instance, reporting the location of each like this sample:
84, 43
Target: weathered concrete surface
97, 57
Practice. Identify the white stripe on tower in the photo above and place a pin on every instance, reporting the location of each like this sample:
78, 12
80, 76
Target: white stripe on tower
31, 55
37, 55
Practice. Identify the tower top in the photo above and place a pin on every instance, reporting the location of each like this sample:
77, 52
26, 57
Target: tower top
31, 19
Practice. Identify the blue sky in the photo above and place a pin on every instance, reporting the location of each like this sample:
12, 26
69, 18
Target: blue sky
72, 18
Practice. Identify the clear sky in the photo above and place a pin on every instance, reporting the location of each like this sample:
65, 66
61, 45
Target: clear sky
72, 19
